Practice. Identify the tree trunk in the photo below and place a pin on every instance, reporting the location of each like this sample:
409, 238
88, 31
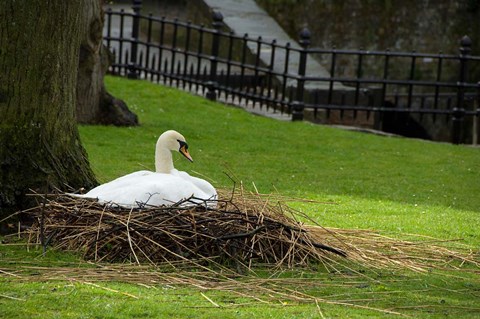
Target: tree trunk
39, 142
94, 104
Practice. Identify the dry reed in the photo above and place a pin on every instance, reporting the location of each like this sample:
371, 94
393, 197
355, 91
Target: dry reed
237, 233
242, 231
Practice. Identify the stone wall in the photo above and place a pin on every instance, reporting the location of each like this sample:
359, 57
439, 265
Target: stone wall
427, 26
424, 26
421, 25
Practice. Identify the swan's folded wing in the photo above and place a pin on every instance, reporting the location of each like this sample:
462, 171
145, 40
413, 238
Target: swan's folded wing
205, 189
117, 184
153, 189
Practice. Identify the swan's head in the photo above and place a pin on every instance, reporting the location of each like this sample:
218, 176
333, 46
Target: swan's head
174, 141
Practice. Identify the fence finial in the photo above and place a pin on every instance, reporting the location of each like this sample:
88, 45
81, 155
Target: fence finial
305, 37
136, 6
465, 45
298, 104
217, 18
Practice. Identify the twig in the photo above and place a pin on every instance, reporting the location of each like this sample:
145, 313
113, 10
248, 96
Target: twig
210, 300
318, 308
98, 233
8, 273
107, 289
13, 298
242, 235
130, 238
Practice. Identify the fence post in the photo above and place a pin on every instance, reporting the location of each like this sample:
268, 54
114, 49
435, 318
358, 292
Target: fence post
298, 104
132, 65
212, 83
458, 113
476, 117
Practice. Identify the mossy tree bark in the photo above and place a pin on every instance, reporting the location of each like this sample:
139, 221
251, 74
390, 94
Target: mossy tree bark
39, 142
94, 104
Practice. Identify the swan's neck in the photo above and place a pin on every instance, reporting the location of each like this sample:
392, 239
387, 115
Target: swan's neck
163, 160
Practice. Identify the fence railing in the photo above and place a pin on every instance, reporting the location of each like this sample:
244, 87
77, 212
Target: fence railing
376, 89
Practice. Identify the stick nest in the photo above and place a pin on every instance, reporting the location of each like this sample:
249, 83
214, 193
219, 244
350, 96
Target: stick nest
242, 231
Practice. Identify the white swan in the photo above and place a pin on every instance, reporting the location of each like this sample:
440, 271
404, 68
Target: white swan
165, 186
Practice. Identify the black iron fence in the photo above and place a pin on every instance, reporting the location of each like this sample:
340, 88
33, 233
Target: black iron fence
426, 95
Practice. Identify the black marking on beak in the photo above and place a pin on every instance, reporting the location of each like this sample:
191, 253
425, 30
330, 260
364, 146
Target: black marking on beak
182, 145
184, 150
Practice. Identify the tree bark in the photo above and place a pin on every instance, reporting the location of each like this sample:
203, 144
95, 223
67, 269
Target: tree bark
39, 142
94, 104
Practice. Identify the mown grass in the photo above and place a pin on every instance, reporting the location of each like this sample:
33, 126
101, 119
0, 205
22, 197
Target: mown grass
427, 296
393, 185
390, 184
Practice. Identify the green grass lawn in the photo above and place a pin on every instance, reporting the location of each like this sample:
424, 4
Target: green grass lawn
397, 186
390, 184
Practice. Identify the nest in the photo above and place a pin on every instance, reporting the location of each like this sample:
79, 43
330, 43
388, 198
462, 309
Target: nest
240, 232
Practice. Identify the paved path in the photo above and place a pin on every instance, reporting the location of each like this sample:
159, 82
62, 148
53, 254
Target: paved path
246, 17
127, 27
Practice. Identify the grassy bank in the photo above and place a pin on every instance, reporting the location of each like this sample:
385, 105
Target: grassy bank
390, 184
393, 185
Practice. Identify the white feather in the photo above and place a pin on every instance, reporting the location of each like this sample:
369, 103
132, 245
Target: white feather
166, 186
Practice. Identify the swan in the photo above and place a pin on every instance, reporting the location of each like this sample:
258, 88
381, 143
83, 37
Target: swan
165, 186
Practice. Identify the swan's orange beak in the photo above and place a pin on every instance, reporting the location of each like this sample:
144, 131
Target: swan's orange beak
184, 151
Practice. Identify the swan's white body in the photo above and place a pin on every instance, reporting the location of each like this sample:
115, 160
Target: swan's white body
166, 186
